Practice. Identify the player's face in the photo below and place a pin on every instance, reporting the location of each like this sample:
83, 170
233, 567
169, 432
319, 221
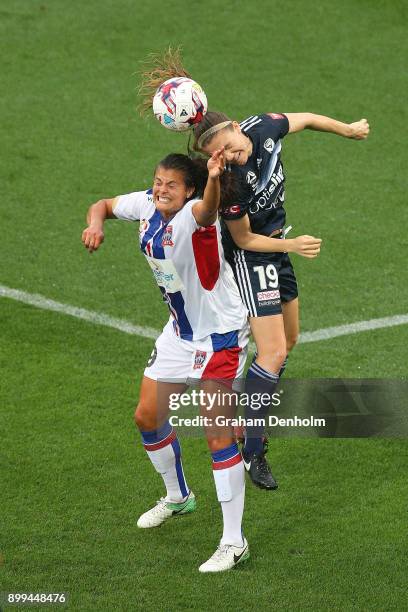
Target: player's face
237, 146
170, 191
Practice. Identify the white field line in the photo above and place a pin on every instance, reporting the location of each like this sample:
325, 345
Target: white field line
98, 318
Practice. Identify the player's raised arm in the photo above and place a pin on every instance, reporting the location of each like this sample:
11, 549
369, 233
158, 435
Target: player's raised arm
240, 230
93, 236
206, 211
358, 130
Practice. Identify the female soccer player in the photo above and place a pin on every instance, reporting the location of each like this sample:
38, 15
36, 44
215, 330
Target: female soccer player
205, 338
266, 280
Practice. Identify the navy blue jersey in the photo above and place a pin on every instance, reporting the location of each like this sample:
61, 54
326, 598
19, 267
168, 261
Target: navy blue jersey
263, 173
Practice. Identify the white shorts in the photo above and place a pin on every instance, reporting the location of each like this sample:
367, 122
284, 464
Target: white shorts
177, 360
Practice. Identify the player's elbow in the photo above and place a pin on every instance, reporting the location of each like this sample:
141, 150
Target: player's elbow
243, 241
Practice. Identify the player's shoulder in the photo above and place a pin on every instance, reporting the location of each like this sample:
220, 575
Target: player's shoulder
134, 205
145, 196
275, 124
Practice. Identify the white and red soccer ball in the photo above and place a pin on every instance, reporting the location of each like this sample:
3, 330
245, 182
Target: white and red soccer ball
179, 103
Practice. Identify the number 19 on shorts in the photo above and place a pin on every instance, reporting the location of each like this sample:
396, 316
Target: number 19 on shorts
267, 276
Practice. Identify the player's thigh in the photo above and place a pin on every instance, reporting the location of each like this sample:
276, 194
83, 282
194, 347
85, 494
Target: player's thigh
269, 336
165, 374
291, 322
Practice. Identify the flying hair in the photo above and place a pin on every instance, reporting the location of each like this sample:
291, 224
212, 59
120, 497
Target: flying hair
157, 68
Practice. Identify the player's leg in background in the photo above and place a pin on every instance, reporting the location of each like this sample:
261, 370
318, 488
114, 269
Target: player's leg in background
159, 438
291, 321
263, 374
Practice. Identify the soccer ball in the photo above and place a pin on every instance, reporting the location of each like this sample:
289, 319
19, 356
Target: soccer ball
179, 103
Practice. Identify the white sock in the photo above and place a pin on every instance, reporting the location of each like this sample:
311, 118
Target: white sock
229, 477
164, 452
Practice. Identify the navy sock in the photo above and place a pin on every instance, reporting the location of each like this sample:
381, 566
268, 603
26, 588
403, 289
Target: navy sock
259, 382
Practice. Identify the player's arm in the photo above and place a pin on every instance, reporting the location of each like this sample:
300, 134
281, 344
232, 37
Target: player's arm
93, 235
244, 238
358, 130
205, 211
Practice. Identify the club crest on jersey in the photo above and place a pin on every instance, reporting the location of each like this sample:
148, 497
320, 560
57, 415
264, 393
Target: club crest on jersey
199, 359
251, 179
167, 236
269, 144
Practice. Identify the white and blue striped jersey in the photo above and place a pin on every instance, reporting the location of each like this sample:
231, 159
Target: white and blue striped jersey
190, 269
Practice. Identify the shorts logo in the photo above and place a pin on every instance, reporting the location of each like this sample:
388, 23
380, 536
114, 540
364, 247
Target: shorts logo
152, 357
167, 236
267, 295
269, 144
199, 359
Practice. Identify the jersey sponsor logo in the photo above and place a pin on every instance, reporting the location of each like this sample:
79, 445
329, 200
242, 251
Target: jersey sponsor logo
251, 179
167, 236
269, 303
165, 274
232, 210
199, 359
266, 201
269, 145
267, 295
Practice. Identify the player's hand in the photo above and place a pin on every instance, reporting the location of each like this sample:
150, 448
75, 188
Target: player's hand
216, 163
92, 237
306, 246
360, 129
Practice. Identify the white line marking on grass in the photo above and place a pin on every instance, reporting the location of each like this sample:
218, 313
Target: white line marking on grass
352, 328
99, 318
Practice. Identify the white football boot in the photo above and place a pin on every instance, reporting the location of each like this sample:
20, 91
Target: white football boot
225, 558
164, 510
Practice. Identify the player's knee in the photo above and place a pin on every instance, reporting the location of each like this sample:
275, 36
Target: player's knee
143, 418
216, 443
272, 357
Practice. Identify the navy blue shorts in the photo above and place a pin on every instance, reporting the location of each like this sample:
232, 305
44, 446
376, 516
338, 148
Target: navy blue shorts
265, 280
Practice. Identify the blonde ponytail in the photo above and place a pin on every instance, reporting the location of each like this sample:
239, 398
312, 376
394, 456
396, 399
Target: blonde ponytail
157, 68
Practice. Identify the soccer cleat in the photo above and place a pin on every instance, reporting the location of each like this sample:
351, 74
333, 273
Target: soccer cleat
225, 558
164, 510
259, 471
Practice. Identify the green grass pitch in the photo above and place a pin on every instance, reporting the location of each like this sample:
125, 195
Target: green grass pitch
74, 476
